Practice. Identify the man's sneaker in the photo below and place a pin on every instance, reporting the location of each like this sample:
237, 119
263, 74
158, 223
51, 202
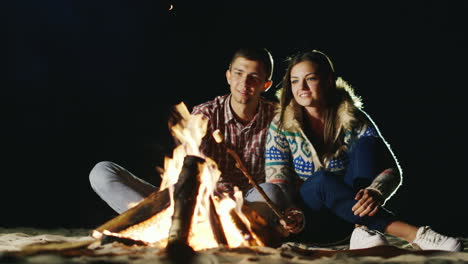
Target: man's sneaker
428, 239
366, 238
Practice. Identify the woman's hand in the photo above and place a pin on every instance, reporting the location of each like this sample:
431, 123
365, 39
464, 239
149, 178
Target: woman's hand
368, 202
296, 220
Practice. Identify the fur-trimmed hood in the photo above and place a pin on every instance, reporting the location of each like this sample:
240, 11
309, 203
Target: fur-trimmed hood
347, 109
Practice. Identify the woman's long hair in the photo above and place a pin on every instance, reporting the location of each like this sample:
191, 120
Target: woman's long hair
332, 96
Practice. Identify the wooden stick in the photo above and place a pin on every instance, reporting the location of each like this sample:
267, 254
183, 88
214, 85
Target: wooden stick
219, 138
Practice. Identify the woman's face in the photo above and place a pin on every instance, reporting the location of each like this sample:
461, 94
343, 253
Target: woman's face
305, 84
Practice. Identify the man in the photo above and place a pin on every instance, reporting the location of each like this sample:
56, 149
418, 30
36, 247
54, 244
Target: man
242, 116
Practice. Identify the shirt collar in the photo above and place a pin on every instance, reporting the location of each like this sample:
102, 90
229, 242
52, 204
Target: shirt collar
229, 115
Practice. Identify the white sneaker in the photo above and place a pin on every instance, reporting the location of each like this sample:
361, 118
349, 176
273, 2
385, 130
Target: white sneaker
366, 238
428, 239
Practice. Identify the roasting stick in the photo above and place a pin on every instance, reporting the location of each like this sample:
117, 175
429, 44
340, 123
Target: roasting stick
219, 139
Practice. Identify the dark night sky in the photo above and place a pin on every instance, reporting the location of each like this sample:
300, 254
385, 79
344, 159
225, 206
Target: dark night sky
87, 81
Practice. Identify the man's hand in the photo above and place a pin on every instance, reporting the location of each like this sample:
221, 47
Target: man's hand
296, 220
369, 202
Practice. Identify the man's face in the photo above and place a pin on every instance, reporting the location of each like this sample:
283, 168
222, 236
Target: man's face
247, 79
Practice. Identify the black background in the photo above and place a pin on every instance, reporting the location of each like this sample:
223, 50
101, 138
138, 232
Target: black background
87, 81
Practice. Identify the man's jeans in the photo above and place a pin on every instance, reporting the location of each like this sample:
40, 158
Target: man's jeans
119, 188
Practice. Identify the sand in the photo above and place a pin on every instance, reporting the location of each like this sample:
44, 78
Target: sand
30, 245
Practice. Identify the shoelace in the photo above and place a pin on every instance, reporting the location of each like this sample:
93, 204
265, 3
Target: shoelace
432, 237
372, 232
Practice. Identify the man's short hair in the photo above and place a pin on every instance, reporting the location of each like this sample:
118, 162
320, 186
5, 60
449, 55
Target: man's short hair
256, 54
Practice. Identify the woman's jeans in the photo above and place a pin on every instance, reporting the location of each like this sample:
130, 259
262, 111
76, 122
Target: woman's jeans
327, 197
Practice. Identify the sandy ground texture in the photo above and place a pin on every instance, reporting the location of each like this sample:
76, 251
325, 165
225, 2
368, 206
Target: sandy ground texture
30, 245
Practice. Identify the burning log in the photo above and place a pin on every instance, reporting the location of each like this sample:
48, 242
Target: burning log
243, 228
150, 206
271, 236
185, 197
107, 239
216, 222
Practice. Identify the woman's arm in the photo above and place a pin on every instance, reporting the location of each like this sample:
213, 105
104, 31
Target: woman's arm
278, 161
386, 183
279, 171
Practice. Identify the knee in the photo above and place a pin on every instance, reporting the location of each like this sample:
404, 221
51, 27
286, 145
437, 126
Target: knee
100, 174
271, 189
273, 192
316, 183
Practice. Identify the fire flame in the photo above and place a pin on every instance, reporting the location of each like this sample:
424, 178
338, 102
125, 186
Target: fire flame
189, 131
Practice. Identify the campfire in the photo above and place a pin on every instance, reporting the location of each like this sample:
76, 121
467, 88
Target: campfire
186, 209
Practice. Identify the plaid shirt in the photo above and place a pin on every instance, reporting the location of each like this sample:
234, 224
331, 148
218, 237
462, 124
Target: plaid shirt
248, 141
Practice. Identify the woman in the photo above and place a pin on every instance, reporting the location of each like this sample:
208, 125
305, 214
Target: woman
331, 161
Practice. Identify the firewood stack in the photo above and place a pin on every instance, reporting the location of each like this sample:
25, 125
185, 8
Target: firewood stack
185, 193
